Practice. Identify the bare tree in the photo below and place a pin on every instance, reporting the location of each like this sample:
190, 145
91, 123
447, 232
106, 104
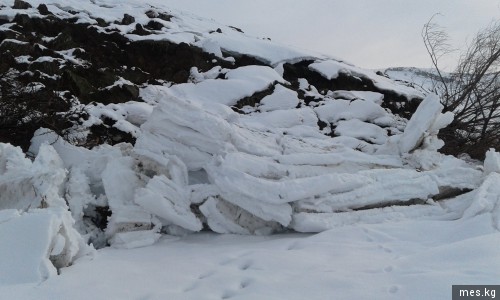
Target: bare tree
471, 91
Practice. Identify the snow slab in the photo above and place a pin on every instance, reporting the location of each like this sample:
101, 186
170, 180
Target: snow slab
32, 245
391, 260
492, 162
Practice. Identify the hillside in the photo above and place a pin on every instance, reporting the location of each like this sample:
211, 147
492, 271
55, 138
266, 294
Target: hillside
126, 125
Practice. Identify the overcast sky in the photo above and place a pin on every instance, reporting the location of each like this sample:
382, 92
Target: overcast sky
368, 33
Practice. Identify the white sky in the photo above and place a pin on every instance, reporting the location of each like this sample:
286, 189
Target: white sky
368, 33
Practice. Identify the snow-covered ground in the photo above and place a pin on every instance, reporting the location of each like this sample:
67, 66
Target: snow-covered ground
393, 260
382, 214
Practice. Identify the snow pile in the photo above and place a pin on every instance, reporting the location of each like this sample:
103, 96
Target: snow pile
199, 163
245, 149
36, 229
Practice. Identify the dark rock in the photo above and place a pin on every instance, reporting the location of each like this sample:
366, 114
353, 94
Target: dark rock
128, 19
76, 84
63, 41
154, 14
154, 25
164, 17
43, 10
151, 14
107, 55
16, 48
18, 4
236, 28
106, 134
101, 22
139, 30
398, 104
219, 30
117, 94
47, 67
24, 21
254, 99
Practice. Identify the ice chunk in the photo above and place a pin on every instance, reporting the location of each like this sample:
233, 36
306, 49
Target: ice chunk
25, 185
318, 222
134, 239
217, 214
492, 162
335, 110
361, 130
487, 200
223, 217
169, 201
279, 192
376, 187
33, 245
422, 123
281, 119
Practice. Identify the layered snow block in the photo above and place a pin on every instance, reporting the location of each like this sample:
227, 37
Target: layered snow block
120, 182
224, 217
425, 122
492, 162
335, 110
35, 244
186, 130
376, 187
317, 222
487, 200
169, 201
25, 184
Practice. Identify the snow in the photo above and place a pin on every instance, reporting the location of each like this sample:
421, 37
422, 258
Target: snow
267, 51
422, 123
335, 110
281, 98
492, 162
361, 261
163, 198
35, 243
373, 192
352, 95
239, 83
361, 130
331, 69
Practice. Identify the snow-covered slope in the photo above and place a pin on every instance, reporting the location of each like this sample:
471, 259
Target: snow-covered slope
226, 132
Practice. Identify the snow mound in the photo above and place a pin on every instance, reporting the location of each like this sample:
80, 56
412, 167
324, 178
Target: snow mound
247, 136
36, 228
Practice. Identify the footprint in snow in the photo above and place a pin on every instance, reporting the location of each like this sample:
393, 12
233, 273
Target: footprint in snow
388, 269
206, 274
245, 283
228, 294
226, 261
245, 265
393, 289
387, 250
191, 287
